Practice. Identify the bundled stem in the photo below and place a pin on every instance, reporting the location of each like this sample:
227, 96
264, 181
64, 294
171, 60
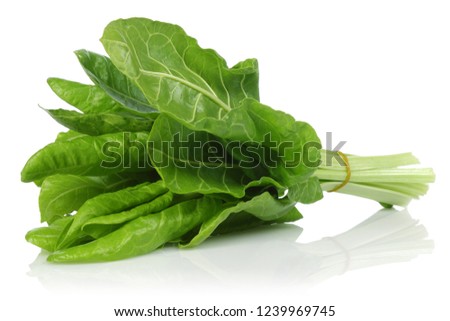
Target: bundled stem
388, 179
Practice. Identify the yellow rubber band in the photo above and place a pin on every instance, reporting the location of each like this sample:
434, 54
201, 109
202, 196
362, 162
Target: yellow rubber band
349, 173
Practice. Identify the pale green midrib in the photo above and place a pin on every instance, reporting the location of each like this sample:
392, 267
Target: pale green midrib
371, 192
371, 162
201, 90
416, 175
416, 190
413, 189
330, 185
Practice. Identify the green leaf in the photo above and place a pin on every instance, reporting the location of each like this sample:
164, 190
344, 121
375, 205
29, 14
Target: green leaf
306, 192
89, 156
175, 74
68, 136
176, 153
102, 225
104, 74
111, 203
291, 216
293, 145
264, 207
46, 237
63, 194
179, 155
100, 124
195, 87
243, 221
142, 235
87, 98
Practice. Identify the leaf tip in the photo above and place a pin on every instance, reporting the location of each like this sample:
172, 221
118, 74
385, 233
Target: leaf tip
51, 81
25, 176
55, 257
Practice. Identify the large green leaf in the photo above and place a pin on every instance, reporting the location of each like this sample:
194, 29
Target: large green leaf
195, 87
101, 225
111, 203
177, 154
180, 156
63, 194
293, 145
100, 124
87, 98
264, 207
175, 74
243, 221
142, 235
104, 74
89, 156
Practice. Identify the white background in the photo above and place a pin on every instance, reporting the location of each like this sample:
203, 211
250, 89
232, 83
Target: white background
375, 73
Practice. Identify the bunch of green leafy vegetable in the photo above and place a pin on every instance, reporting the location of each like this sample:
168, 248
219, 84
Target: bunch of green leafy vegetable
111, 188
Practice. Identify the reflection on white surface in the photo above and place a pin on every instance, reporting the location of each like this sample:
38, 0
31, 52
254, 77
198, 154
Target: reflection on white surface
264, 257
